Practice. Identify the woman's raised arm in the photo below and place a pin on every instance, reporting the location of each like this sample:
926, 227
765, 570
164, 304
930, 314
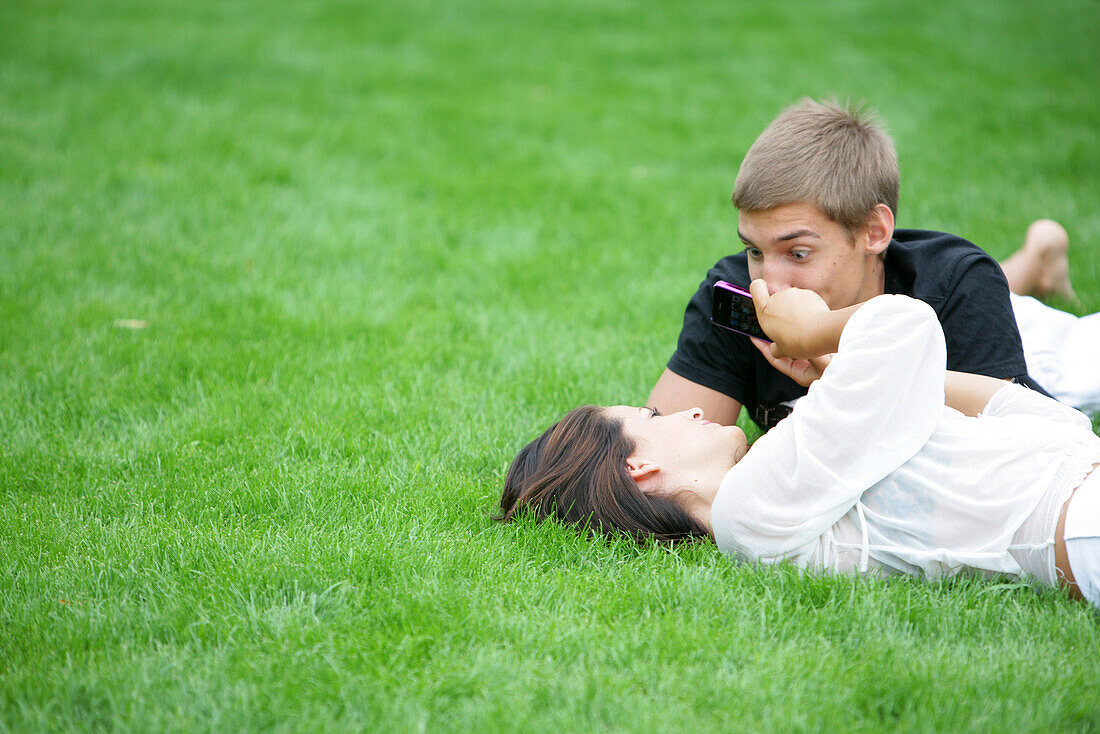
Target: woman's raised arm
872, 410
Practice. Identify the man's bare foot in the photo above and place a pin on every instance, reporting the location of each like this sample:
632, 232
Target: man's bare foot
1041, 267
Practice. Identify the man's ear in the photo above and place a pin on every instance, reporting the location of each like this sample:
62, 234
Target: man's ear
879, 229
641, 470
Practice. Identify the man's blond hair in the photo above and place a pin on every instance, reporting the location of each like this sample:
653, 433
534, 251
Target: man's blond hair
825, 153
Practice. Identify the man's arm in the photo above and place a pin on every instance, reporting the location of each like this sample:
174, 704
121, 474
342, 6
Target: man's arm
799, 334
673, 393
710, 364
969, 394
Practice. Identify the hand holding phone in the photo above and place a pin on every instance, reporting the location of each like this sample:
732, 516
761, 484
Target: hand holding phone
793, 314
732, 308
800, 320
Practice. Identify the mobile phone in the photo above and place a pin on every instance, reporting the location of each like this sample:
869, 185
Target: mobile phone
731, 308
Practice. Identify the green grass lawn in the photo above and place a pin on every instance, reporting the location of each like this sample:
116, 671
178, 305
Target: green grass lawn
284, 286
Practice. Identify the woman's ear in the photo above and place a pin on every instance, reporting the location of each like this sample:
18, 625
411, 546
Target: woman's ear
641, 470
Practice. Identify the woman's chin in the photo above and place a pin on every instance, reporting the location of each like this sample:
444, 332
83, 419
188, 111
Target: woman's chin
742, 447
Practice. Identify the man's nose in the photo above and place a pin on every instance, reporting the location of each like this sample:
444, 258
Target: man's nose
776, 279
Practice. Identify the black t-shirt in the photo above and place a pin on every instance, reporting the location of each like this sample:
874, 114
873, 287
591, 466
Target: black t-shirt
963, 284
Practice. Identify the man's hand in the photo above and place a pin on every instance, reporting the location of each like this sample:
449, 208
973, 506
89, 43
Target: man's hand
797, 321
802, 371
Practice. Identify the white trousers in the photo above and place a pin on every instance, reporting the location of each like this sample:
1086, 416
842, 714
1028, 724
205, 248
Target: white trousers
1082, 536
1062, 351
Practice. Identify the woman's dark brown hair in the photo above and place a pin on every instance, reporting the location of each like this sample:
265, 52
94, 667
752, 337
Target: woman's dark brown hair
576, 472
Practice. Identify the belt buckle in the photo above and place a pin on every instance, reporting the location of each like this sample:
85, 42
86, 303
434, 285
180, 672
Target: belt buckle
772, 414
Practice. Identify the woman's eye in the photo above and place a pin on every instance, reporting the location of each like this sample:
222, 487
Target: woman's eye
653, 412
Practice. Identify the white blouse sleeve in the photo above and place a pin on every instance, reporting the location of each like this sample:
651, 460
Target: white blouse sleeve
1019, 400
874, 408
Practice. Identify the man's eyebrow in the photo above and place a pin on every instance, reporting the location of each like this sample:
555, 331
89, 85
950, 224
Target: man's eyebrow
784, 237
798, 233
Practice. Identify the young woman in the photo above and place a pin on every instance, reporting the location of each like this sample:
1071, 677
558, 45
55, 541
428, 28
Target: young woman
890, 464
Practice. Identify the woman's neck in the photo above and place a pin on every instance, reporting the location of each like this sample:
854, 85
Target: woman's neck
697, 498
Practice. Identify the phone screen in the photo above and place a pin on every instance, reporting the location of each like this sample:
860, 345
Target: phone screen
732, 309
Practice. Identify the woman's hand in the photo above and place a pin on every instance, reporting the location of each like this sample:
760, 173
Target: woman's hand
798, 321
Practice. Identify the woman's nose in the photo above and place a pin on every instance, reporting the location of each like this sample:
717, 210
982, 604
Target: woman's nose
694, 413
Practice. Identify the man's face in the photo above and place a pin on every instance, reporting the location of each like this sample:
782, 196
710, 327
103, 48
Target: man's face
795, 245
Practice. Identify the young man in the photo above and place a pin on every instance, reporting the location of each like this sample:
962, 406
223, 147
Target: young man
817, 195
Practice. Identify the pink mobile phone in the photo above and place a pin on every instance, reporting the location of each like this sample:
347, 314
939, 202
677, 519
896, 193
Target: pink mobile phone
731, 308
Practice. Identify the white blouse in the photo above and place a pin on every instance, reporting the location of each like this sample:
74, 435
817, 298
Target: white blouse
873, 473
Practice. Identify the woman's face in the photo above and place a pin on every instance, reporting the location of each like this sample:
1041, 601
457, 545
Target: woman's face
683, 441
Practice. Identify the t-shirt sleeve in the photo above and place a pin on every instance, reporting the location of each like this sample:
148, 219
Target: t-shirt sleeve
710, 356
978, 323
874, 408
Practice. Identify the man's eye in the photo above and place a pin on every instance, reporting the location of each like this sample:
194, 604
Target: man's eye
754, 253
800, 254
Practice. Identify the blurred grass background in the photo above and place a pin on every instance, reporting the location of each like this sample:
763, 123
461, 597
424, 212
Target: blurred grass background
372, 248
